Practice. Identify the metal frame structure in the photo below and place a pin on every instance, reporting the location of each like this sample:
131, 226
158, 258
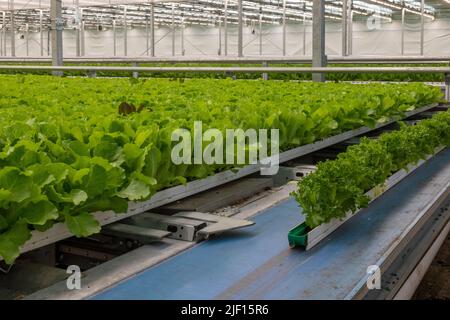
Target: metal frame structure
35, 15
318, 72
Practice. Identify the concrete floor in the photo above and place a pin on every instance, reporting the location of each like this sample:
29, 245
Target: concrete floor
436, 282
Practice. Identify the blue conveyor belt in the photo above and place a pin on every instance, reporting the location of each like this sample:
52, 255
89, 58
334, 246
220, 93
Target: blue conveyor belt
257, 263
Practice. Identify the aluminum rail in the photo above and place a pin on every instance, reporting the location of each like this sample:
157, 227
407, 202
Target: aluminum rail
254, 59
443, 70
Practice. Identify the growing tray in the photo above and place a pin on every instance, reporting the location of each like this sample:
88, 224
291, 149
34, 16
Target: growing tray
302, 236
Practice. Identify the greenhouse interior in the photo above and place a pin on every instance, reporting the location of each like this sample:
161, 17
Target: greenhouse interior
224, 150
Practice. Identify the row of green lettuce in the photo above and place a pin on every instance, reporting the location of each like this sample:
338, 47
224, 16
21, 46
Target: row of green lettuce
339, 186
66, 151
339, 76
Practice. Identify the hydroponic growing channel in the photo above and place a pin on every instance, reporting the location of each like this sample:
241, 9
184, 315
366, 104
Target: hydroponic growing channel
99, 143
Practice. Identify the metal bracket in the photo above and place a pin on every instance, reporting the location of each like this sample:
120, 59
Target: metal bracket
179, 228
141, 234
216, 224
188, 225
220, 197
296, 173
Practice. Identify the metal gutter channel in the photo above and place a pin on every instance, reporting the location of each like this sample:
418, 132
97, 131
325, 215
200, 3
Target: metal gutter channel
400, 260
256, 263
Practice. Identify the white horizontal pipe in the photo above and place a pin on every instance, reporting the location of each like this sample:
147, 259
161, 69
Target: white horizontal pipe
443, 70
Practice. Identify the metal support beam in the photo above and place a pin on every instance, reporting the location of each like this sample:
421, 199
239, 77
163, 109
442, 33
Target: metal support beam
152, 28
77, 42
147, 30
114, 38
173, 29
48, 41
182, 39
422, 26
350, 27
260, 34
220, 38
4, 33
304, 29
344, 28
27, 33
284, 27
240, 27
83, 37
318, 54
57, 25
41, 33
402, 42
12, 31
77, 31
225, 28
125, 27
